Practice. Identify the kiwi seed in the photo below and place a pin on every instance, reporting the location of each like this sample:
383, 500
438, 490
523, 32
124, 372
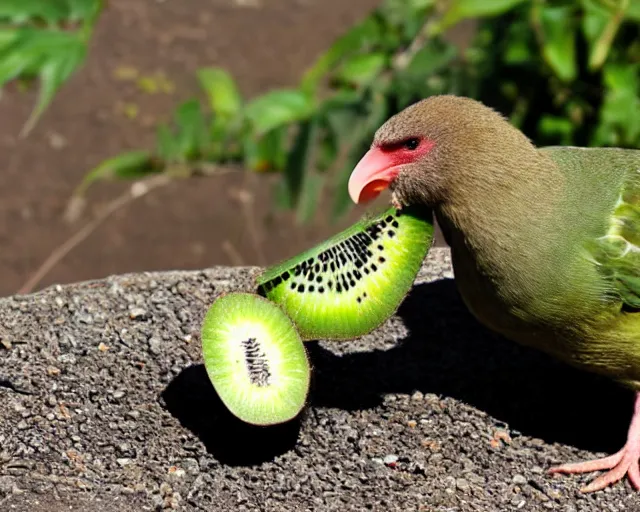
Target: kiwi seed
350, 284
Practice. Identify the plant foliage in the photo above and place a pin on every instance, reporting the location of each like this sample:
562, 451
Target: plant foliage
44, 39
564, 71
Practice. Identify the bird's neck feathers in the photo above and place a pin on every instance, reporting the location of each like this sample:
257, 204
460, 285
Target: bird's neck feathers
499, 212
498, 185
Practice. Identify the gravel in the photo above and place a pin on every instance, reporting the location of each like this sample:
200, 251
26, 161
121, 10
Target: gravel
105, 405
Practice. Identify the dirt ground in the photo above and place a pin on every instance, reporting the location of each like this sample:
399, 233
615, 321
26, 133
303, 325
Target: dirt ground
189, 225
107, 407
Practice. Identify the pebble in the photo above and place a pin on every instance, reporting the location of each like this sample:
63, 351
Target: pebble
155, 345
176, 472
191, 466
57, 141
462, 484
519, 480
137, 313
390, 459
67, 358
6, 484
84, 318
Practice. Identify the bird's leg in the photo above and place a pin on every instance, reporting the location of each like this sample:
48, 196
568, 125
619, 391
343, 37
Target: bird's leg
624, 462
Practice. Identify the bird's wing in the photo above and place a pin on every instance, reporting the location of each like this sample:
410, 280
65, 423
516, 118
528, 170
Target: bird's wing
617, 253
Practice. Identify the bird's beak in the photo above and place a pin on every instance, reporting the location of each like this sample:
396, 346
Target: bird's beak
374, 172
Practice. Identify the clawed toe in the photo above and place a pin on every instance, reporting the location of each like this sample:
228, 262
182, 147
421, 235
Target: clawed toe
625, 462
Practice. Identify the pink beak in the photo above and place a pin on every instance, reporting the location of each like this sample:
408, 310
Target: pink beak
374, 172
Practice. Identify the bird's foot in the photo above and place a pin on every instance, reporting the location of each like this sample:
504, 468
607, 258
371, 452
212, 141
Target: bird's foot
624, 462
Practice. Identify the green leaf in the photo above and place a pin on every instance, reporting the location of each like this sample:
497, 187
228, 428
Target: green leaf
50, 54
37, 44
266, 153
462, 9
299, 159
309, 196
594, 19
620, 112
362, 69
633, 11
367, 33
328, 148
52, 75
431, 59
222, 92
406, 16
166, 145
600, 26
340, 113
20, 11
342, 98
130, 165
277, 108
192, 131
556, 127
83, 9
338, 116
559, 47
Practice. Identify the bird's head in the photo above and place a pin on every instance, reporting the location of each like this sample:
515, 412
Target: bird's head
419, 151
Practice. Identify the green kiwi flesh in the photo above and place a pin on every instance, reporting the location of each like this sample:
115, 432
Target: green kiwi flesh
255, 359
354, 281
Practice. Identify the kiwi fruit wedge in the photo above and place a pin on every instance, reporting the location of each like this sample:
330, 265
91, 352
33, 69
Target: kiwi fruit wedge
255, 359
354, 281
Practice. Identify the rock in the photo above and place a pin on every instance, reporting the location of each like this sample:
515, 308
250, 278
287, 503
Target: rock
519, 480
104, 430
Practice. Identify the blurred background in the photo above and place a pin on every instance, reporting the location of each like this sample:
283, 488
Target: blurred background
144, 135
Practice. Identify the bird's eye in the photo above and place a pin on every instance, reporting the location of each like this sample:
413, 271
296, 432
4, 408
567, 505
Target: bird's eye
411, 144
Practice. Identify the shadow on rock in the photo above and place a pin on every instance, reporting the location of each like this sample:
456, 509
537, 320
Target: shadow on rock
191, 399
448, 352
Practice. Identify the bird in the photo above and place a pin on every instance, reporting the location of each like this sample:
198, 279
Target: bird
545, 241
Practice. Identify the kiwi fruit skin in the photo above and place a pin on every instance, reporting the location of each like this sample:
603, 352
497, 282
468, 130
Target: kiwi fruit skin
353, 282
255, 359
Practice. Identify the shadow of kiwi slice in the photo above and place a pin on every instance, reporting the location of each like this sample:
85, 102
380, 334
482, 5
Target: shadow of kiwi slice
255, 359
353, 282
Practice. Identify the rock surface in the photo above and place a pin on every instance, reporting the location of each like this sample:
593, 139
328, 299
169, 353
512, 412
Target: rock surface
105, 406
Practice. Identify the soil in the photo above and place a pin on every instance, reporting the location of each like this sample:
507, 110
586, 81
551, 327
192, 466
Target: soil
187, 225
106, 406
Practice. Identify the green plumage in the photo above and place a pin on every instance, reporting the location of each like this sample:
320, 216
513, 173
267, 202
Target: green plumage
580, 285
545, 242
617, 252
599, 241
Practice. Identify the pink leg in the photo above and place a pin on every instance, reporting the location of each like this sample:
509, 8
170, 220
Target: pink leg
624, 462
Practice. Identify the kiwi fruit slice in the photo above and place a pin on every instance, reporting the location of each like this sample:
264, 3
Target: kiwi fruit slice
354, 281
255, 359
